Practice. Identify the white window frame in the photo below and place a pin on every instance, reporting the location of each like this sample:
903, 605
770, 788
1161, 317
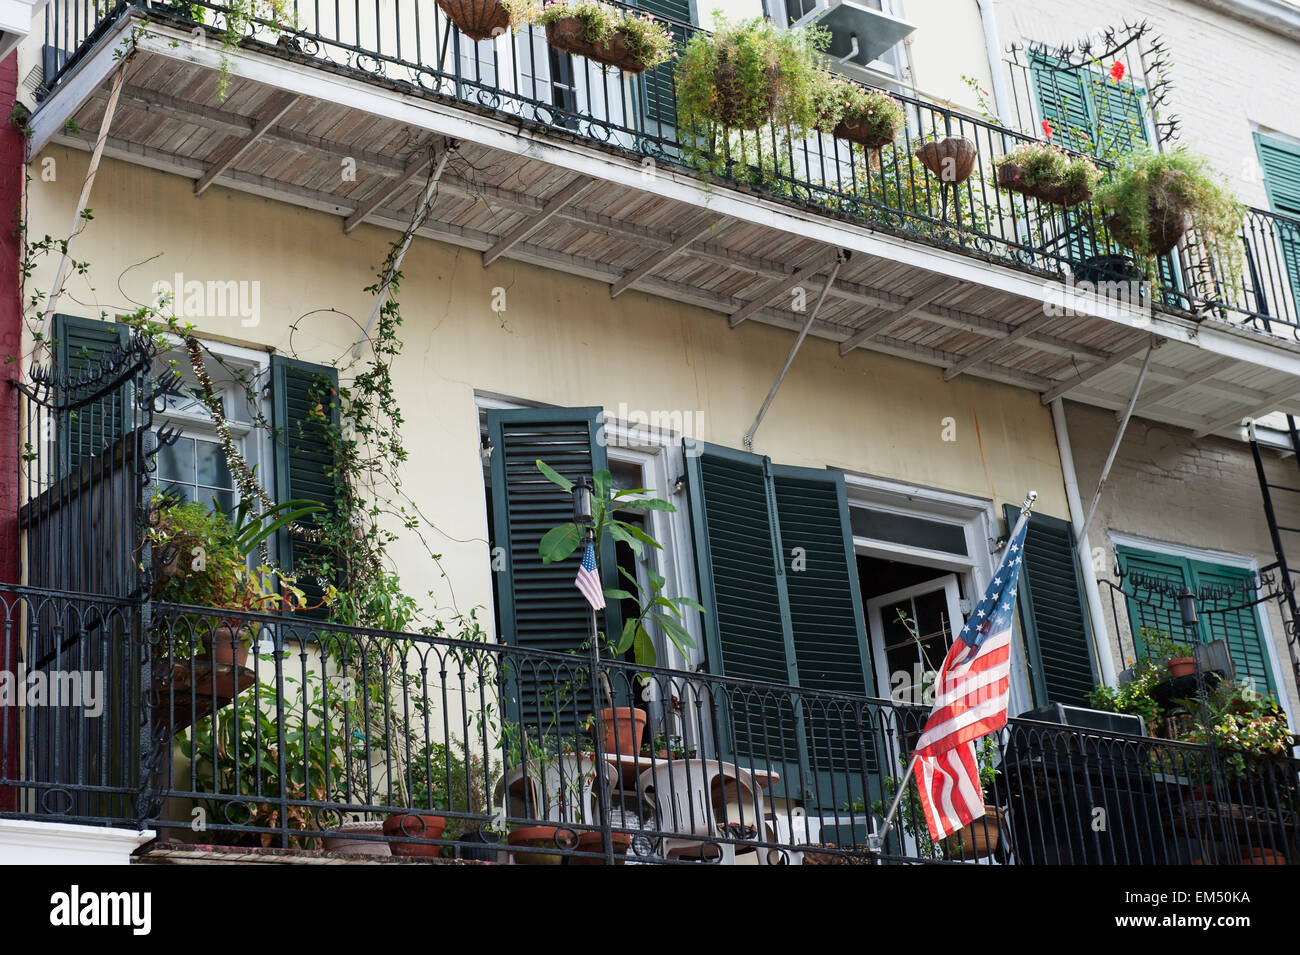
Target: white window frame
1225, 559
979, 520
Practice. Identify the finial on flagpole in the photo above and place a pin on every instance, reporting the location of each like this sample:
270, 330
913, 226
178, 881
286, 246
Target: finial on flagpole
1030, 501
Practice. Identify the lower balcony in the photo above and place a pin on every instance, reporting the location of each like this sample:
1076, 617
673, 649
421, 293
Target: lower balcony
233, 733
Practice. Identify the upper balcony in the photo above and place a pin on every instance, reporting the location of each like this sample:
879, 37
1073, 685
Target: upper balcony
560, 162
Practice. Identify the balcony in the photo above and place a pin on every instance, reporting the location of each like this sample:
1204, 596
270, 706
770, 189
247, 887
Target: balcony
233, 733
564, 164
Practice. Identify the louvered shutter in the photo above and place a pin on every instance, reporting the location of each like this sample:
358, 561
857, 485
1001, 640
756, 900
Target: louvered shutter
1235, 620
304, 460
658, 95
1120, 113
88, 352
1281, 163
1053, 616
539, 608
1063, 102
828, 631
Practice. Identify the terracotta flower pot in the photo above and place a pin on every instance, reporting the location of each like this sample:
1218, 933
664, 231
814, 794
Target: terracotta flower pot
1181, 666
1252, 856
569, 34
624, 727
226, 649
865, 131
414, 825
541, 837
1011, 177
980, 839
376, 846
952, 159
592, 842
477, 19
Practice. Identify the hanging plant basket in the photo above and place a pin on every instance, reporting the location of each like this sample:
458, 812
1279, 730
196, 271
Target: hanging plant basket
477, 19
743, 107
1165, 226
569, 35
1013, 178
865, 131
952, 160
1047, 173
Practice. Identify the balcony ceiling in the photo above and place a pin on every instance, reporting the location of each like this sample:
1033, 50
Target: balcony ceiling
520, 195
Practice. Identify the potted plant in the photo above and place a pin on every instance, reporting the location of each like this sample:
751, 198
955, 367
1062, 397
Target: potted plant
1048, 173
1179, 657
1154, 198
951, 159
483, 19
624, 726
748, 74
847, 110
1132, 696
610, 35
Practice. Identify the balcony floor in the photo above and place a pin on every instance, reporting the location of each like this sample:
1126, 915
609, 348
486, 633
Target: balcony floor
553, 199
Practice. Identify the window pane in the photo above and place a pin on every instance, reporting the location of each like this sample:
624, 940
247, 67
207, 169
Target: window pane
179, 492
212, 468
176, 462
912, 531
225, 500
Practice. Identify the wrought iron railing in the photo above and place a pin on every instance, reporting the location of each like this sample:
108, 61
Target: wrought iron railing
412, 45
221, 727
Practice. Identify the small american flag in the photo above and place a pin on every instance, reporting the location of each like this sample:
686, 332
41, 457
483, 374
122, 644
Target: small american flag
971, 694
588, 581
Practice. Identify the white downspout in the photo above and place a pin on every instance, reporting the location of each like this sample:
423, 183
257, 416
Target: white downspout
993, 49
1100, 635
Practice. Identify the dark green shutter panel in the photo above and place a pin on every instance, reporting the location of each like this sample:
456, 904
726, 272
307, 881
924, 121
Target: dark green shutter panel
827, 626
1053, 615
304, 461
1281, 163
1063, 102
1234, 619
1153, 610
85, 350
657, 91
1120, 116
539, 608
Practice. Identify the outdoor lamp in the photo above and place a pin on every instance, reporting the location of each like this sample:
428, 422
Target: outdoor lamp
1187, 607
582, 502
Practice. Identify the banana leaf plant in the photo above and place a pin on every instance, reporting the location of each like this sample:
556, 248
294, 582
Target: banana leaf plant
653, 606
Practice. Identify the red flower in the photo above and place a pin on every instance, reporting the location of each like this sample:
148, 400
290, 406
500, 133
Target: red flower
1047, 129
1117, 71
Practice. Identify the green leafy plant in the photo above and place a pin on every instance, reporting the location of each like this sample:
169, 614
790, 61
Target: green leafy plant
645, 40
560, 542
1047, 172
1133, 696
1153, 197
1159, 645
873, 116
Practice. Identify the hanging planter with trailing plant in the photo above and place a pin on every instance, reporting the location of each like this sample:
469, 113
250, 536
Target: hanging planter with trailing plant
1047, 173
484, 19
951, 159
1154, 198
606, 34
860, 115
750, 74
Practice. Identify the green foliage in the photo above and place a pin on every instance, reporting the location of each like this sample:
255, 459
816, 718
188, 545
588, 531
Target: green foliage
1134, 696
236, 753
746, 76
1151, 186
1159, 645
1044, 166
560, 542
647, 40
838, 99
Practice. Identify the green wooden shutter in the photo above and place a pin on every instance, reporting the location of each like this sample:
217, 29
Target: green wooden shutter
538, 606
82, 347
659, 101
1281, 163
1053, 615
1063, 102
1156, 611
1120, 114
828, 631
304, 461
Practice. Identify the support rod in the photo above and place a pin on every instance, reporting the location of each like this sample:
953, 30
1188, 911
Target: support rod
1119, 437
421, 213
794, 350
61, 274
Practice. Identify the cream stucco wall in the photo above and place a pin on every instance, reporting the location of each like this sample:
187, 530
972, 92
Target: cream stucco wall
560, 341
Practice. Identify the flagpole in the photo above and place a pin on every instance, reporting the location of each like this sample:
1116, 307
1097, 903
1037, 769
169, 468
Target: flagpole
876, 840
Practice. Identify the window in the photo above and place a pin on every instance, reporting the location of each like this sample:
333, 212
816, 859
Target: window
1230, 612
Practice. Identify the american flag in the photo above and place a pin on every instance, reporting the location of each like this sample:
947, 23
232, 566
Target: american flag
588, 581
971, 693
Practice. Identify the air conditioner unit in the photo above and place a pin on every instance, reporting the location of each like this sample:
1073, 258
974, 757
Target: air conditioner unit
860, 32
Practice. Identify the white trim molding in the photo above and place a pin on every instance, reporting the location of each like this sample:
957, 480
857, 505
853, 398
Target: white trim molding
27, 842
1276, 16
